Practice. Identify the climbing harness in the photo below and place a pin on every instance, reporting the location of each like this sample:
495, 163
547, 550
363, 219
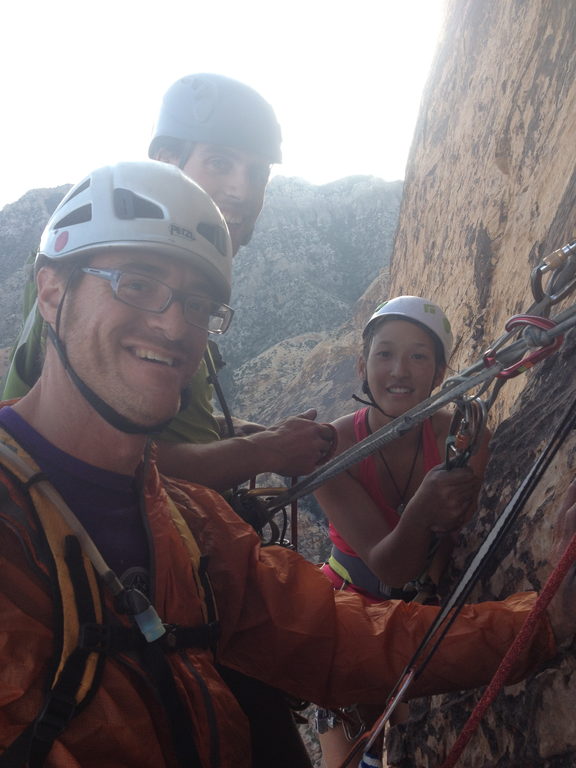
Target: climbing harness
85, 639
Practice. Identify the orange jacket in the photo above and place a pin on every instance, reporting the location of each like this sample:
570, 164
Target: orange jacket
281, 622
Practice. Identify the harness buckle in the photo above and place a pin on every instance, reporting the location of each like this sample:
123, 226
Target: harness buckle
96, 638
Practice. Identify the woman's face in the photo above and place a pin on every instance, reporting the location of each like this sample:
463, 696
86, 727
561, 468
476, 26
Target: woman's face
401, 368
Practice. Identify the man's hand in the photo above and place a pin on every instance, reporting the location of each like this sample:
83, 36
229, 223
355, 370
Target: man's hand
241, 427
295, 446
562, 608
446, 499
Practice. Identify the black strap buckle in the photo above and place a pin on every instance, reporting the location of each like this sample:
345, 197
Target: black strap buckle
202, 636
95, 638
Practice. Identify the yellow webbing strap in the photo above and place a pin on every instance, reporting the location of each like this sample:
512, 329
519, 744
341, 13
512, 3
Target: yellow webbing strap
21, 465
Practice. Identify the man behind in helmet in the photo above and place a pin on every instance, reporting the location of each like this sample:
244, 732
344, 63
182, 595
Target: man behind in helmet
225, 136
129, 299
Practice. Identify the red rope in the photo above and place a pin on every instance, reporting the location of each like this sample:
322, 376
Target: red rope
522, 639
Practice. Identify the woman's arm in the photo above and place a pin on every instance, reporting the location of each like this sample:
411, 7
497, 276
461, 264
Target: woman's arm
394, 556
443, 503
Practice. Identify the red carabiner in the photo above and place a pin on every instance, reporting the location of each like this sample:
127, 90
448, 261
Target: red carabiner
519, 321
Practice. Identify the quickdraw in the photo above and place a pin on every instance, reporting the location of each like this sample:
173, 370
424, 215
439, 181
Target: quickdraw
562, 281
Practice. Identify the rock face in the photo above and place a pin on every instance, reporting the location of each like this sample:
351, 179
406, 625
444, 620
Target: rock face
490, 184
490, 189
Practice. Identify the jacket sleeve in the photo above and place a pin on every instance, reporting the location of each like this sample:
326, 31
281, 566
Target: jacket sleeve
283, 623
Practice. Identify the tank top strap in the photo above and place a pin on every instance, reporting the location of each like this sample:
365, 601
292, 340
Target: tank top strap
360, 425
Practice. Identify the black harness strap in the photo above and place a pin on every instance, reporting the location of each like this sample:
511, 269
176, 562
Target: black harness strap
158, 669
110, 639
212, 349
61, 705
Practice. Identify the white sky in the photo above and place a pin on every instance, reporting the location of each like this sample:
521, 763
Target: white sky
82, 82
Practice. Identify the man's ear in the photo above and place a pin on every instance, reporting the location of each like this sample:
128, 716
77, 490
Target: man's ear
51, 288
361, 367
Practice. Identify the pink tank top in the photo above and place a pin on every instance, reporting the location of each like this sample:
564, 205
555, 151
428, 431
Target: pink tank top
368, 474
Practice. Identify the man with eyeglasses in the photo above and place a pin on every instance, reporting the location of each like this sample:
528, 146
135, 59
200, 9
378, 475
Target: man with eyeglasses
120, 589
225, 136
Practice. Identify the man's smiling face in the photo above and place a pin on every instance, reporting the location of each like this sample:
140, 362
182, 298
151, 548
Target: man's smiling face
135, 360
236, 180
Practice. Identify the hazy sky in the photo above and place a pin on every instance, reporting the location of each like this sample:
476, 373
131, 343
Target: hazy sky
82, 82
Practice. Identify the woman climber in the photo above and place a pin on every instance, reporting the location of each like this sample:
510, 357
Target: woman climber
393, 516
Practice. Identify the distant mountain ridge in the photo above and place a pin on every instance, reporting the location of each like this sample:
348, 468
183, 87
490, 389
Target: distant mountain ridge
21, 224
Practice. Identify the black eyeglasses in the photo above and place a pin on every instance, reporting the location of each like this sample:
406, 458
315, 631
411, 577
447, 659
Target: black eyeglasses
152, 295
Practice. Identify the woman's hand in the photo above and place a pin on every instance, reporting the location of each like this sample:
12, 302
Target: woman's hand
446, 499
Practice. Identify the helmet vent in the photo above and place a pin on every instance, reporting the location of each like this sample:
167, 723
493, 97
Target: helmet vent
77, 190
79, 216
214, 234
128, 205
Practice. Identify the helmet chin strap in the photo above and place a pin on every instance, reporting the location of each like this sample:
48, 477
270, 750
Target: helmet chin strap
102, 408
370, 401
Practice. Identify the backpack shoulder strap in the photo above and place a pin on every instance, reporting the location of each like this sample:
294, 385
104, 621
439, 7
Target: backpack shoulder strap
75, 674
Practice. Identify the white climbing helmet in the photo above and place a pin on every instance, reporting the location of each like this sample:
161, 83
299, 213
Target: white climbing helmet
419, 310
214, 109
150, 206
